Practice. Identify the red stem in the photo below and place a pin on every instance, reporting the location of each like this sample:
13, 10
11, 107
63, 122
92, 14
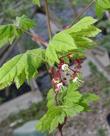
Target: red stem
60, 128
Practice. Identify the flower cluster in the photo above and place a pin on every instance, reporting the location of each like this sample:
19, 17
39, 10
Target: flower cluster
64, 73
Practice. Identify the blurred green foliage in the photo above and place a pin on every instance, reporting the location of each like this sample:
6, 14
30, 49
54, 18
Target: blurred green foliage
101, 132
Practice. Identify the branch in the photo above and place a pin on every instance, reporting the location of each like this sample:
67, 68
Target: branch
36, 38
48, 19
82, 12
60, 127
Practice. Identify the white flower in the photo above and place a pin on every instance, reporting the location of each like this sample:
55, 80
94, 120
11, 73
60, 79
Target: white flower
65, 67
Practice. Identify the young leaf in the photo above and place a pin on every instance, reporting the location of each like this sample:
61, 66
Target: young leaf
8, 33
83, 24
83, 31
23, 23
61, 43
20, 68
72, 39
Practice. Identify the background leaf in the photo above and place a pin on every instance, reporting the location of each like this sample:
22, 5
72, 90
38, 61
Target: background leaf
37, 2
8, 33
101, 6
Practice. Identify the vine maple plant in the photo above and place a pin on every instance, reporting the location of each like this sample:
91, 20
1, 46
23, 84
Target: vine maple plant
63, 56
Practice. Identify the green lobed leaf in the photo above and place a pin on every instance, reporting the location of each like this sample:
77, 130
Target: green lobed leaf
24, 23
61, 43
91, 31
73, 110
84, 28
72, 96
83, 24
20, 68
83, 31
72, 39
84, 42
59, 119
51, 119
72, 103
89, 97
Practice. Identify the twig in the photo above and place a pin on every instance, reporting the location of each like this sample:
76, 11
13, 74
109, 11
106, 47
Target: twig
48, 19
82, 12
38, 39
60, 128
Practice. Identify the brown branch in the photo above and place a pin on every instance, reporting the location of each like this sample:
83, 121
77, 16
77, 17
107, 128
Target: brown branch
48, 19
60, 128
38, 39
82, 12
